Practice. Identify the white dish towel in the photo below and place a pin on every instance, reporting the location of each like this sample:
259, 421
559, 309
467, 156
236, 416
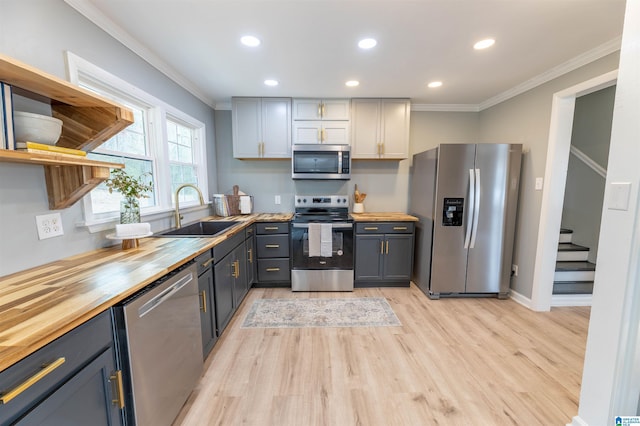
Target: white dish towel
320, 240
326, 240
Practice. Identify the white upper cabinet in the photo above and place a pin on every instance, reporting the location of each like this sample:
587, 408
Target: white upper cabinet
380, 128
321, 121
315, 132
261, 127
321, 109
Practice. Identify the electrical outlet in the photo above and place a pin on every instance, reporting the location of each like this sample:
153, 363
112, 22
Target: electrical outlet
514, 269
539, 183
278, 200
49, 225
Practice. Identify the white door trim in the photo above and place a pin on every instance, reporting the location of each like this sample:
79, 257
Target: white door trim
555, 177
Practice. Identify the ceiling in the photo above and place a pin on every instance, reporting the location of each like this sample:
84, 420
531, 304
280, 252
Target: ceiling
310, 46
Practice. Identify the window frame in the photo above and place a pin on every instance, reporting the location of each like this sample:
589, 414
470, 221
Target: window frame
158, 111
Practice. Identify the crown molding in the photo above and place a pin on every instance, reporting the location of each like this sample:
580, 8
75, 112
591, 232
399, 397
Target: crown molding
93, 14
555, 72
445, 107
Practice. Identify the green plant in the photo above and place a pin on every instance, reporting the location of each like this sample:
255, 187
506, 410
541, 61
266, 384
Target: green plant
129, 186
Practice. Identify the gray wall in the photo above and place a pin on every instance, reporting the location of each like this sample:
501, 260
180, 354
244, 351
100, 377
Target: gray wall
386, 182
38, 32
584, 193
525, 119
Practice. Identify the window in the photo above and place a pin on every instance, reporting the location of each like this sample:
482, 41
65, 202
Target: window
181, 159
163, 142
131, 147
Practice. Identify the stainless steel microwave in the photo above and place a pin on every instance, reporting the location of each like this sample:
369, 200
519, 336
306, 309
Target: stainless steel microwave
321, 161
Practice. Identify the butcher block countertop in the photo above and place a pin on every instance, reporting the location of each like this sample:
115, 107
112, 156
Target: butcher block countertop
39, 305
383, 217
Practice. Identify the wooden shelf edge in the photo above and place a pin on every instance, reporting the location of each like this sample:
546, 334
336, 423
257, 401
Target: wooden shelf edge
10, 156
29, 78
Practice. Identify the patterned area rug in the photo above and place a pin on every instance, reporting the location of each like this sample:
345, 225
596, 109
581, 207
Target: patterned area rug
294, 313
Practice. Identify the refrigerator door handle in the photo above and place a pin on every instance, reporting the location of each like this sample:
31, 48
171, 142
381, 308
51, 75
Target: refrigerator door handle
476, 210
470, 206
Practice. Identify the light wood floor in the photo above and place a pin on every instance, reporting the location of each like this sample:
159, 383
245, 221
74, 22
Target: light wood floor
453, 362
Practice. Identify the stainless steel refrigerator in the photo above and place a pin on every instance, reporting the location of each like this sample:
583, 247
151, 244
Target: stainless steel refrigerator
465, 196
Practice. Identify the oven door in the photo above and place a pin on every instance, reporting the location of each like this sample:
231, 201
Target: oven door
342, 248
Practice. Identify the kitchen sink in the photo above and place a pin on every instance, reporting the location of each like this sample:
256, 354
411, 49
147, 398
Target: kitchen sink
199, 229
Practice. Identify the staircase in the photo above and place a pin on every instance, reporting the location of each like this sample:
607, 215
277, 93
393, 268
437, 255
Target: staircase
574, 274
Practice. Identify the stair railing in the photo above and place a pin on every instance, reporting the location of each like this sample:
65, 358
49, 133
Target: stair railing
589, 162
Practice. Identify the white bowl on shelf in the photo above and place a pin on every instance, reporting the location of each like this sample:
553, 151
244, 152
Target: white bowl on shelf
30, 127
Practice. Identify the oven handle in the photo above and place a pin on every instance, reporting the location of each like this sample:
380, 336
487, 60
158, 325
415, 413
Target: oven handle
338, 225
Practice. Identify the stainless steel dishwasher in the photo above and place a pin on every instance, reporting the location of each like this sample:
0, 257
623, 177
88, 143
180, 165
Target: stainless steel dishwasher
160, 347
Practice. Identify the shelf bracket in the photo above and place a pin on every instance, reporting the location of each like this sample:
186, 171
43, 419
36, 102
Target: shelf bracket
66, 185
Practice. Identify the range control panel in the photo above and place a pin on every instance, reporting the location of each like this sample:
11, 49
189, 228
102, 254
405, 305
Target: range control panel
321, 201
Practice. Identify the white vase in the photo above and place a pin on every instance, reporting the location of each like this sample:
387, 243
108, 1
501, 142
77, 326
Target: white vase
358, 208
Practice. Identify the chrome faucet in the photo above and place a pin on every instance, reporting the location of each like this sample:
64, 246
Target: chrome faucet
177, 213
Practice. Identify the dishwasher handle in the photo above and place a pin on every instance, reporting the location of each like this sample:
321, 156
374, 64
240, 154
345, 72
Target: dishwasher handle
164, 295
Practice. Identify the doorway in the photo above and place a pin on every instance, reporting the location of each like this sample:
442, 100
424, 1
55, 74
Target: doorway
583, 198
562, 113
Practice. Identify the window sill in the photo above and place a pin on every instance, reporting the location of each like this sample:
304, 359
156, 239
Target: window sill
110, 223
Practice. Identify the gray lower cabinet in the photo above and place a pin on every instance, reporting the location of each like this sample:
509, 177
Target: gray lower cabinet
71, 381
207, 305
230, 278
250, 246
240, 288
383, 254
272, 250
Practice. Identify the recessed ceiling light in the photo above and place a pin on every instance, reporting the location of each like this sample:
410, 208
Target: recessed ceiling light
250, 41
271, 82
434, 84
483, 44
367, 43
352, 83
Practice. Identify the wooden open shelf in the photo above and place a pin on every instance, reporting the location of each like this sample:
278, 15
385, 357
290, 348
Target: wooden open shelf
88, 120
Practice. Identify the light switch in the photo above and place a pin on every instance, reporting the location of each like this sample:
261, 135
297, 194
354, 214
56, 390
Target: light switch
539, 182
619, 193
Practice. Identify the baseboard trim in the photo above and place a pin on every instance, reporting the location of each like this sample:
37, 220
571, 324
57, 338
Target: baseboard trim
519, 298
558, 300
577, 421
